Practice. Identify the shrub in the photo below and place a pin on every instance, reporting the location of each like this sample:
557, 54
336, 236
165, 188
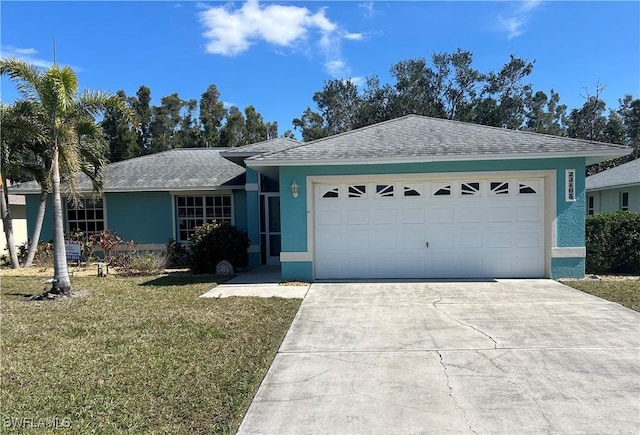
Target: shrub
217, 241
148, 263
177, 254
43, 257
613, 242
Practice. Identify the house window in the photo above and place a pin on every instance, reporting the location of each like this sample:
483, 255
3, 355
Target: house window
590, 205
195, 211
86, 215
624, 201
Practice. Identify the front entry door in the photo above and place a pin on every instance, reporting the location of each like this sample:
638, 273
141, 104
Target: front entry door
270, 228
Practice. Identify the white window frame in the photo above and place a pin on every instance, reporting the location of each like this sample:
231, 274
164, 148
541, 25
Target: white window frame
624, 201
204, 218
71, 224
591, 205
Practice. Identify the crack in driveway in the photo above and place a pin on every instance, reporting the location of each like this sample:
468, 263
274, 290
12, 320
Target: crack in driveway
435, 305
455, 401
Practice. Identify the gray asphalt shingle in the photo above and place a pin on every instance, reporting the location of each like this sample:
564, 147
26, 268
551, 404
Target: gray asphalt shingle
419, 136
267, 146
179, 169
623, 175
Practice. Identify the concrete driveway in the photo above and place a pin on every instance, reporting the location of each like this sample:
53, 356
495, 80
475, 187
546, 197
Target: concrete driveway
512, 356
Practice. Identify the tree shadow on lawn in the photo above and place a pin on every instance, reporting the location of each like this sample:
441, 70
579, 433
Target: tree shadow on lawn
179, 279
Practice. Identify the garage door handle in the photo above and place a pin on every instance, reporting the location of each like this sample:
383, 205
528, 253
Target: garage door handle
427, 244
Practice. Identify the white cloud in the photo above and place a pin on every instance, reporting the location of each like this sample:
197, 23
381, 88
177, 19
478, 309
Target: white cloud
231, 31
367, 8
514, 24
227, 104
336, 68
354, 36
29, 55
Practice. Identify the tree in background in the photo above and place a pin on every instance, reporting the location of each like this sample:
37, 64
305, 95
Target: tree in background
141, 105
545, 114
233, 131
123, 140
212, 112
71, 133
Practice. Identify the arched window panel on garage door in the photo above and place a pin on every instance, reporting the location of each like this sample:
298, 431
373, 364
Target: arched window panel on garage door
529, 187
329, 192
471, 188
384, 190
357, 191
499, 187
441, 189
412, 190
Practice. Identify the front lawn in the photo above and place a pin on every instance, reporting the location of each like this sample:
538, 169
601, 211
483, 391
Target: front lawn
625, 292
140, 354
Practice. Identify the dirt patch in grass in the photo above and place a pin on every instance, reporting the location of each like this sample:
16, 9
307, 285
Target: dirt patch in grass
140, 355
623, 290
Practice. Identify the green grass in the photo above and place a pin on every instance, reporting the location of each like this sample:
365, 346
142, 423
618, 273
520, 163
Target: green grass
140, 354
625, 292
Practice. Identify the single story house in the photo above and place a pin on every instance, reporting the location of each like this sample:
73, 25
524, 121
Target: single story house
418, 197
158, 197
413, 197
617, 188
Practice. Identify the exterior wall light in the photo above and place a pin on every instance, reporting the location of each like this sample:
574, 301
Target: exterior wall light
294, 189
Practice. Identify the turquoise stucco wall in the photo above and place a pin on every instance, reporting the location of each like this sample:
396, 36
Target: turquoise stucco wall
252, 207
144, 217
32, 205
570, 215
240, 209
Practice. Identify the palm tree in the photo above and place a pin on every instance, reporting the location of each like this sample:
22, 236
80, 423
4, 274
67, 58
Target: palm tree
70, 131
26, 155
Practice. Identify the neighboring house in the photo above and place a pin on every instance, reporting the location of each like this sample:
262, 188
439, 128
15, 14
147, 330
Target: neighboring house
419, 197
17, 209
614, 189
155, 198
413, 197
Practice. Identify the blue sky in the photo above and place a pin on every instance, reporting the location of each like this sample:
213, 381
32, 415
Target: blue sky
275, 55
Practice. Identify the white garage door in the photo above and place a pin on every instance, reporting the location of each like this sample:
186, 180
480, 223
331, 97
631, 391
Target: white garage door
465, 228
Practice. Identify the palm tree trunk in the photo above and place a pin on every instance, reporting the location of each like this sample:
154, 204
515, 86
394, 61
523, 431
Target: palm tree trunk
37, 229
62, 283
8, 227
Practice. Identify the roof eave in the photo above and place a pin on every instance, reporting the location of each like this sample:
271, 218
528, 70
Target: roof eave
590, 156
613, 186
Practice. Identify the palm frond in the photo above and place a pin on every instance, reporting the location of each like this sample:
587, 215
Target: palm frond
28, 77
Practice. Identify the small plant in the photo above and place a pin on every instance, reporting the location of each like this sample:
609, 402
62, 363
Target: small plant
217, 241
43, 257
148, 263
109, 242
177, 254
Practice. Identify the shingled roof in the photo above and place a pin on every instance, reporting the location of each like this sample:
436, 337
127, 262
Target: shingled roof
179, 169
239, 154
620, 176
419, 138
